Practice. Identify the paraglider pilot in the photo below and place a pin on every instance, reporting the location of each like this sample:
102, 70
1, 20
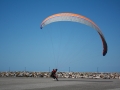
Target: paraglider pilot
53, 74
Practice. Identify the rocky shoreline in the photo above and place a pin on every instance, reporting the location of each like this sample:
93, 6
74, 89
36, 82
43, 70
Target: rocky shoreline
90, 75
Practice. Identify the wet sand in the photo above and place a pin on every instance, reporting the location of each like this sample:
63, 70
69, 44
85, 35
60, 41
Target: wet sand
23, 83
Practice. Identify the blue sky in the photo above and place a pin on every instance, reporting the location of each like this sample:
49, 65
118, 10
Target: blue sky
62, 44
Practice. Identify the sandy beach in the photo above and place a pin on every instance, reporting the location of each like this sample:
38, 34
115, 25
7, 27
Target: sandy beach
23, 83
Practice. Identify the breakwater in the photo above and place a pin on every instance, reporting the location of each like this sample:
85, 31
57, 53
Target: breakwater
90, 75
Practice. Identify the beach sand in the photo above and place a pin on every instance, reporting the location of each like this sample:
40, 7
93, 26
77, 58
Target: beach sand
23, 83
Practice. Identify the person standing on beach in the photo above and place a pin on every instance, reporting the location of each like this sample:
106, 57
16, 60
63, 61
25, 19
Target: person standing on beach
53, 74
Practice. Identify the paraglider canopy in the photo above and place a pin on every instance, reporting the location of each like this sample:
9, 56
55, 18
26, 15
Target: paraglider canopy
75, 18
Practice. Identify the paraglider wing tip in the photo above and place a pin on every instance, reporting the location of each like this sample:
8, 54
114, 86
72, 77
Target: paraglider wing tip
104, 53
41, 26
105, 49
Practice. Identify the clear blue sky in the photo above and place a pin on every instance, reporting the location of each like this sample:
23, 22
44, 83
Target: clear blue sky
62, 44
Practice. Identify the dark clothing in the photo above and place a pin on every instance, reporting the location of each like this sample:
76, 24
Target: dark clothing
53, 74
